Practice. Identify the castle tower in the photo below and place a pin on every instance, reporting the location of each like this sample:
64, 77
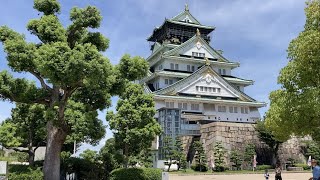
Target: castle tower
192, 82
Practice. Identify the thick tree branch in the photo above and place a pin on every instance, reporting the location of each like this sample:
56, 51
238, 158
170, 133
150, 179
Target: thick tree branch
17, 149
43, 84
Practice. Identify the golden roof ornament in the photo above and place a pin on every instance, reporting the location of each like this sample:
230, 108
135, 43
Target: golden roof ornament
186, 7
207, 61
198, 32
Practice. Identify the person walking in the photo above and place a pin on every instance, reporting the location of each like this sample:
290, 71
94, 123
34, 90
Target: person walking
266, 174
315, 170
278, 172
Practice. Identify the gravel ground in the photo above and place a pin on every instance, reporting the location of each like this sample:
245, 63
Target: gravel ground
285, 176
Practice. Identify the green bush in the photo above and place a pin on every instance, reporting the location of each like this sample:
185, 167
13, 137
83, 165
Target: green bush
263, 167
304, 166
27, 175
18, 168
83, 168
2, 152
197, 168
21, 156
136, 174
219, 169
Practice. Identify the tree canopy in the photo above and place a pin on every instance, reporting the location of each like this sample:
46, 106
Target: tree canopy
294, 109
133, 124
69, 67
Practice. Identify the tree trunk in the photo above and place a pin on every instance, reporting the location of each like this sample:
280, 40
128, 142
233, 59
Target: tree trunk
275, 155
126, 155
55, 139
31, 157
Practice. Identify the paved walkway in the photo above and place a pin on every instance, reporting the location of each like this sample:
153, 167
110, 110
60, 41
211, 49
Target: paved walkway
285, 176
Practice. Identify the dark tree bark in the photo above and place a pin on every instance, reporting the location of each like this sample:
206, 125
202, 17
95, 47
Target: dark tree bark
31, 154
126, 155
55, 139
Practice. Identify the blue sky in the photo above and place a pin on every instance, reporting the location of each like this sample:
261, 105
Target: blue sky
254, 33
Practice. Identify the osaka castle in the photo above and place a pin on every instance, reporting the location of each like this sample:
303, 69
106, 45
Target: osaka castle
192, 82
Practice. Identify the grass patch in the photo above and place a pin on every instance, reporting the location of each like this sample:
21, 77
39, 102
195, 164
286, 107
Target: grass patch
9, 159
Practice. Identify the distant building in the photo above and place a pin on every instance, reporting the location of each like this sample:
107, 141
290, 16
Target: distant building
192, 82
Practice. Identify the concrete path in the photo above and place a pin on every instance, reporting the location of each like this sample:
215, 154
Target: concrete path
285, 176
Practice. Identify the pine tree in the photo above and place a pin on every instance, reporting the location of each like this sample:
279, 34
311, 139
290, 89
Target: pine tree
133, 124
218, 151
200, 156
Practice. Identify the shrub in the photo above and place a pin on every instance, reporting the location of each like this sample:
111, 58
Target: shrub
27, 175
21, 156
2, 152
219, 168
136, 173
304, 166
263, 167
204, 168
83, 168
19, 168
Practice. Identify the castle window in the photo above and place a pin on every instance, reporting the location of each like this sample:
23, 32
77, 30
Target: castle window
183, 106
160, 67
224, 72
222, 109
219, 71
170, 81
244, 110
172, 66
235, 109
195, 54
156, 85
195, 107
188, 68
166, 81
170, 104
192, 68
176, 66
201, 54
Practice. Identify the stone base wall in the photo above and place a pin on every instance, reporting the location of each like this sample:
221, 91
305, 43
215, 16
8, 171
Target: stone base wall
186, 143
292, 149
237, 135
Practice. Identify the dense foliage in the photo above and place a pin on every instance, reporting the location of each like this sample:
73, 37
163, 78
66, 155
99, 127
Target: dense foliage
136, 173
236, 159
133, 124
294, 109
219, 151
71, 72
24, 172
266, 136
200, 157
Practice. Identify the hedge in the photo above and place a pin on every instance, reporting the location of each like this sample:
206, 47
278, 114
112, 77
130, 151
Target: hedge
264, 167
304, 166
32, 174
197, 168
136, 174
